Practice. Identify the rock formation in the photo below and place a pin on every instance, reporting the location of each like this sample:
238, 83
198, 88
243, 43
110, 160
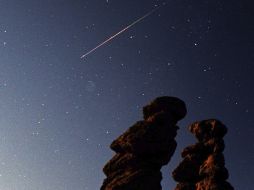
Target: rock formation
203, 165
145, 147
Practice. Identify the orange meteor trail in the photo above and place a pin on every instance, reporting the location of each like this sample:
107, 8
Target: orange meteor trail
118, 33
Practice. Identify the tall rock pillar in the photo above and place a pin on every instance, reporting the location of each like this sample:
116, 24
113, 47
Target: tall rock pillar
203, 165
145, 147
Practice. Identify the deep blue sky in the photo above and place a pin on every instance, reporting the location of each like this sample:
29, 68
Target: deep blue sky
58, 113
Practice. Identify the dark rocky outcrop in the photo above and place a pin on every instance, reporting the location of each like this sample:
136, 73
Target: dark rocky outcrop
145, 147
203, 165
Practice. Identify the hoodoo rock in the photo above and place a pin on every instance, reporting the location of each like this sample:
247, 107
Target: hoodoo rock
145, 147
203, 165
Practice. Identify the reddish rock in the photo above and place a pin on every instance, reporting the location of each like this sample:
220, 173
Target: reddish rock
145, 147
203, 165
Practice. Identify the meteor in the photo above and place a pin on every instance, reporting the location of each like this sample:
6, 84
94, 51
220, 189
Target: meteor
120, 32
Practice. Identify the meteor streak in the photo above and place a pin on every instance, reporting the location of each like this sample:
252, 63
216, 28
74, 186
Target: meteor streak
121, 31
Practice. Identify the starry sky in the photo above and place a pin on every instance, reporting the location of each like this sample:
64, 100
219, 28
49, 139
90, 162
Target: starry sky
59, 113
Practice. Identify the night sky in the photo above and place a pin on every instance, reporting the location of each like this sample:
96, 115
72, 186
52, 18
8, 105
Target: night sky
59, 113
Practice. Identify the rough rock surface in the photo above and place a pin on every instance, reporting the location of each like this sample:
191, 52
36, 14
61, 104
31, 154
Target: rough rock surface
145, 147
203, 165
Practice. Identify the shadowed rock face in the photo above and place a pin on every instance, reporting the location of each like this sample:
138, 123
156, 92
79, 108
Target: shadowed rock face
203, 165
145, 147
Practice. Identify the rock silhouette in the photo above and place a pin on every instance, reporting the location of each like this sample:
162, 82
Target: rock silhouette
145, 147
203, 165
